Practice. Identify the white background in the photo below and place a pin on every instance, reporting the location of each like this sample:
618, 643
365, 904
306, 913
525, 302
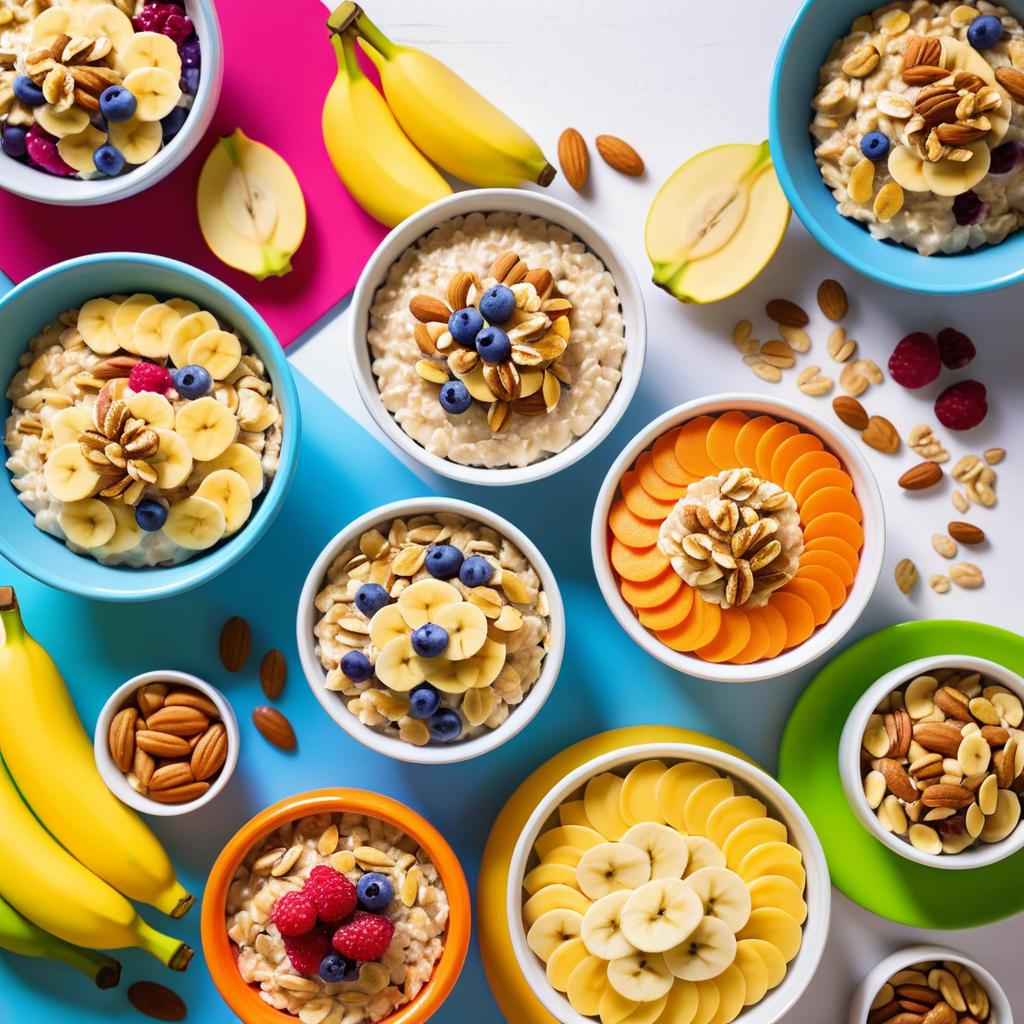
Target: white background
673, 77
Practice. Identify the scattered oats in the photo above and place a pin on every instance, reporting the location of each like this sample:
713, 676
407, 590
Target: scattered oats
939, 583
944, 545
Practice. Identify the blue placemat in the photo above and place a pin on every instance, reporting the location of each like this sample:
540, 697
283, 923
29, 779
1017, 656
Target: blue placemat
606, 682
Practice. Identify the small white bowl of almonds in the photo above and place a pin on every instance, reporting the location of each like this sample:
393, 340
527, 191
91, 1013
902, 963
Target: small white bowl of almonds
166, 742
932, 761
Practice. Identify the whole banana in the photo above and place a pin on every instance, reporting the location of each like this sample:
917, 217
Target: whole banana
385, 173
51, 759
19, 935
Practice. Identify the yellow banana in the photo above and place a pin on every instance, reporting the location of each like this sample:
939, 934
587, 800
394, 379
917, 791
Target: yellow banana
50, 758
446, 118
41, 880
385, 173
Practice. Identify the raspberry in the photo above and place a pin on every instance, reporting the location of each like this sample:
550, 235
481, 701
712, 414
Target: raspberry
955, 348
294, 914
365, 937
331, 893
962, 405
915, 360
149, 377
306, 951
42, 150
166, 18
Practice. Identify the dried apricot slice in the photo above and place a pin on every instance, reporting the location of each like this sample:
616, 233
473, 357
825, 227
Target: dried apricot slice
797, 614
722, 438
837, 546
651, 593
820, 478
732, 636
760, 639
814, 594
692, 447
771, 440
663, 455
828, 579
630, 528
789, 451
654, 483
696, 630
639, 502
776, 624
748, 437
806, 465
830, 499
669, 614
828, 559
836, 524
637, 564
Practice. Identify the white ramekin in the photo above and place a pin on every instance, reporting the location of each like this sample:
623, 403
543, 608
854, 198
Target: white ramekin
976, 856
488, 201
758, 783
114, 777
860, 1004
823, 638
334, 703
41, 187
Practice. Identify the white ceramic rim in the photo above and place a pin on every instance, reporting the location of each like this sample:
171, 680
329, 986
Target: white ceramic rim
519, 717
818, 892
489, 200
860, 1005
978, 855
112, 775
40, 187
823, 638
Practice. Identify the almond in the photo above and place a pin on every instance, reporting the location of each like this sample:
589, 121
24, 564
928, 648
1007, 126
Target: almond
121, 738
573, 158
922, 50
427, 309
850, 411
958, 134
938, 737
899, 729
274, 727
924, 74
619, 155
995, 735
273, 673
542, 281
1012, 81
942, 1013
881, 435
918, 993
236, 640
924, 474
156, 1001
782, 311
116, 366
192, 699
179, 794
832, 299
167, 776
953, 703
161, 744
210, 752
143, 765
150, 698
966, 533
945, 795
897, 780
178, 721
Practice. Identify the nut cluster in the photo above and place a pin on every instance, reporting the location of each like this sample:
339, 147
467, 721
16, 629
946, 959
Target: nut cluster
934, 992
943, 761
71, 72
119, 449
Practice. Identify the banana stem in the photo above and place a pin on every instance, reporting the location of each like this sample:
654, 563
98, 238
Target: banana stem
168, 950
104, 970
10, 616
373, 35
344, 44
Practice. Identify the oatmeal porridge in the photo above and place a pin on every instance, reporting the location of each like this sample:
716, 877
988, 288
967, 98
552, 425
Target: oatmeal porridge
433, 628
337, 918
497, 340
919, 127
141, 431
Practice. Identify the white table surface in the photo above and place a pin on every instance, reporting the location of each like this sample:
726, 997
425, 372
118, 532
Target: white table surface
673, 77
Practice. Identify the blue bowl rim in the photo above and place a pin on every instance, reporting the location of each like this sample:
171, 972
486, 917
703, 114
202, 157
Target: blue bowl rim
814, 226
203, 567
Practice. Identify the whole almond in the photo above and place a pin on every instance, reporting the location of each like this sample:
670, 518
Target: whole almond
953, 703
179, 794
210, 752
121, 738
542, 281
115, 367
192, 699
274, 727
178, 721
938, 737
573, 158
924, 474
945, 795
428, 309
881, 435
143, 765
899, 728
782, 311
943, 1013
161, 744
966, 533
236, 640
995, 735
1012, 81
918, 993
150, 698
885, 1013
897, 779
924, 74
273, 673
850, 411
156, 1001
619, 155
167, 776
832, 299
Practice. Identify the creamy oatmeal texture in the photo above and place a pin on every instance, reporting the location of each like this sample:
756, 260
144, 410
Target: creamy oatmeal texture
350, 843
592, 361
952, 177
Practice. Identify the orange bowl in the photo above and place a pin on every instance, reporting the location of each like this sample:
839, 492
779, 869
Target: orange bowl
243, 999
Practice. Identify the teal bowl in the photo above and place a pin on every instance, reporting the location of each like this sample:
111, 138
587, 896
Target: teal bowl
816, 27
41, 299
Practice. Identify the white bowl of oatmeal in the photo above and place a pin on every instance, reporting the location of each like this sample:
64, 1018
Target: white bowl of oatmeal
563, 361
461, 568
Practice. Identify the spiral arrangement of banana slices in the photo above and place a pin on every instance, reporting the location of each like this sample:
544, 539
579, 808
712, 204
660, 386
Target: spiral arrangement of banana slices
665, 897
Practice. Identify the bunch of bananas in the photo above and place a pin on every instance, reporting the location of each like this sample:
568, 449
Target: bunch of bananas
382, 146
71, 852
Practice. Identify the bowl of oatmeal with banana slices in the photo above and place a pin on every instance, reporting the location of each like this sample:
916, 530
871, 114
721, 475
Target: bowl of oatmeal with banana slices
497, 336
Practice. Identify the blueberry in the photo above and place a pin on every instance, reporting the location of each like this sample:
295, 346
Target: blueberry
150, 515
13, 141
190, 81
27, 91
443, 561
875, 145
424, 700
1007, 158
356, 666
465, 324
445, 725
109, 160
969, 208
117, 104
455, 397
375, 891
334, 967
497, 304
476, 571
172, 123
428, 641
370, 598
493, 345
192, 381
986, 30
191, 56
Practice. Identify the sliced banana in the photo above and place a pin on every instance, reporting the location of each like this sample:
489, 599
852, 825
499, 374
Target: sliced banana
194, 523
707, 993
183, 307
638, 800
723, 894
615, 1008
151, 334
774, 859
156, 92
77, 150
573, 812
601, 800
703, 854
96, 323
172, 462
563, 962
601, 928
190, 327
476, 385
549, 874
776, 927
386, 625
149, 50
138, 140
702, 801
245, 462
445, 676
88, 523
664, 846
576, 836
660, 914
554, 897
226, 489
218, 351
732, 992
398, 666
750, 834
568, 855
907, 170
675, 788
127, 532
755, 973
948, 178
609, 867
773, 959
47, 25
1004, 820
550, 930
422, 602
123, 320
587, 985
482, 668
704, 953
681, 1007
107, 21
731, 813
207, 427
69, 475
645, 1013
66, 122
153, 408
466, 626
779, 892
69, 423
642, 977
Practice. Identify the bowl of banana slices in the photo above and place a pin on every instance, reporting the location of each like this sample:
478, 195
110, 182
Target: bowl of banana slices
668, 882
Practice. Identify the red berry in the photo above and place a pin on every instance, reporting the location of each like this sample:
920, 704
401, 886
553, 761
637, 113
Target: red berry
149, 377
331, 893
915, 360
294, 914
365, 937
306, 951
955, 348
962, 405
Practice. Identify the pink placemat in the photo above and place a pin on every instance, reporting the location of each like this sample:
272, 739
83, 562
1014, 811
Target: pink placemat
277, 72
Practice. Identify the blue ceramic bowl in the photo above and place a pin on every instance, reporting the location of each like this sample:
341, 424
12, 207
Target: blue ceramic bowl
816, 27
40, 300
